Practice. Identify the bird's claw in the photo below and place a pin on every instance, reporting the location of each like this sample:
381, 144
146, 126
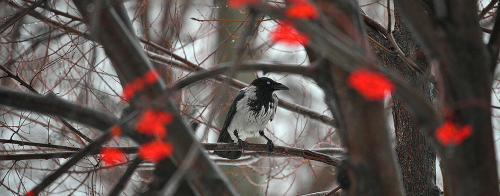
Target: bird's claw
270, 146
242, 144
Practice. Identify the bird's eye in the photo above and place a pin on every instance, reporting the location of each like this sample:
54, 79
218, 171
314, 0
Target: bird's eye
268, 82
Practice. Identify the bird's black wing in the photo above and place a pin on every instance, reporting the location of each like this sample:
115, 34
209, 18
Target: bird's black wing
224, 134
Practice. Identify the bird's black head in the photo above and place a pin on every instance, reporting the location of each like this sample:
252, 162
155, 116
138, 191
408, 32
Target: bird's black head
265, 83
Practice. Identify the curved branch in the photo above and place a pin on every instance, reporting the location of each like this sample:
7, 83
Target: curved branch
237, 84
203, 74
388, 34
402, 55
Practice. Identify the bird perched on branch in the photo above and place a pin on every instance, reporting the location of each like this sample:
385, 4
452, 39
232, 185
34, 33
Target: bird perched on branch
248, 115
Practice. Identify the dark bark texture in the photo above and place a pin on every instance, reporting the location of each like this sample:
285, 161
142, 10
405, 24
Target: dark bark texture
416, 157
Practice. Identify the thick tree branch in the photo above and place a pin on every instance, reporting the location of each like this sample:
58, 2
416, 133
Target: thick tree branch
323, 155
53, 105
278, 150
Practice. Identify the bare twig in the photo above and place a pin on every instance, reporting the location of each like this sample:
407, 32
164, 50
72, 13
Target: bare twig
23, 143
226, 20
388, 34
486, 30
487, 8
381, 47
389, 18
390, 37
333, 191
369, 21
403, 56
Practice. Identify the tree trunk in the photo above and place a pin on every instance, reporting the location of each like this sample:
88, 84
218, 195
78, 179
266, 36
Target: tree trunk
417, 159
453, 39
370, 166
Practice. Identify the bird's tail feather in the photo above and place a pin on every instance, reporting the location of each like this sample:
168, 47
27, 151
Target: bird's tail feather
224, 137
229, 154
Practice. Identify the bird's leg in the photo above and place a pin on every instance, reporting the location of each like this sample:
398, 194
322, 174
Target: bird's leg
270, 144
242, 144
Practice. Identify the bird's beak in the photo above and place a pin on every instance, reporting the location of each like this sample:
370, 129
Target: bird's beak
279, 86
